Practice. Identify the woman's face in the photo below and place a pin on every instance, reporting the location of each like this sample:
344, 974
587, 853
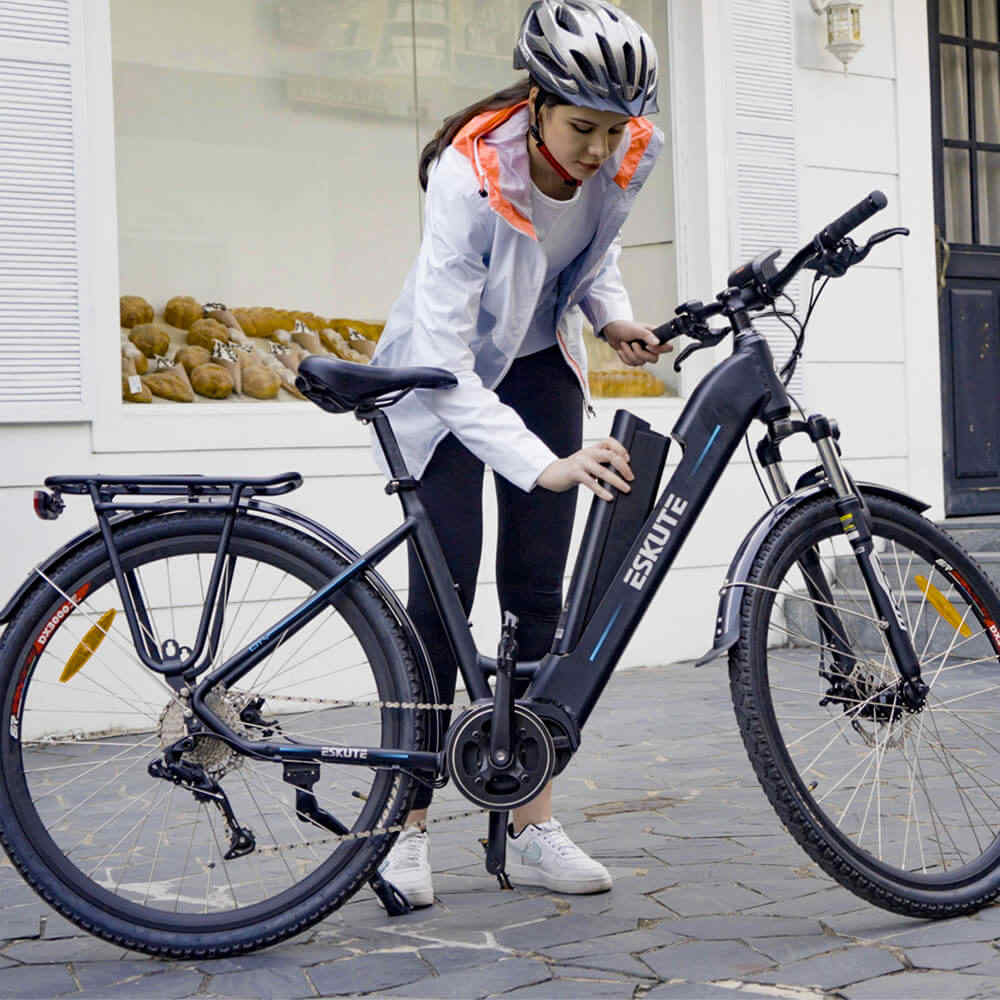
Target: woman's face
581, 139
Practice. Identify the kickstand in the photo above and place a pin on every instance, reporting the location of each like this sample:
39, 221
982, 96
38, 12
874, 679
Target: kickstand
395, 903
496, 848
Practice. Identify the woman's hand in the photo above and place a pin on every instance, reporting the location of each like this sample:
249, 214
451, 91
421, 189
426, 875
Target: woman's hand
620, 335
586, 467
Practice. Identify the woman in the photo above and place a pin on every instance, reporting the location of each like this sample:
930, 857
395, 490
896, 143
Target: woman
526, 193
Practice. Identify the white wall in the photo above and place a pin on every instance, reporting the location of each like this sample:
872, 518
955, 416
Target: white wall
870, 363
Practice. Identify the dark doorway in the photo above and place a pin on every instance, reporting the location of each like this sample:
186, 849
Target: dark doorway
965, 91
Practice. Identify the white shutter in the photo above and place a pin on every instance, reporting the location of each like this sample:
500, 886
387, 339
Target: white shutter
766, 187
41, 363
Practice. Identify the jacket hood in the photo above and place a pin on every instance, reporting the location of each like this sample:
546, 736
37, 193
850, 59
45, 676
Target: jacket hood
494, 144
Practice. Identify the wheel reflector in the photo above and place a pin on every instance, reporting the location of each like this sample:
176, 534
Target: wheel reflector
87, 645
944, 607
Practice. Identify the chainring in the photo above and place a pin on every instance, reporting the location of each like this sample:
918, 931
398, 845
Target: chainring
467, 755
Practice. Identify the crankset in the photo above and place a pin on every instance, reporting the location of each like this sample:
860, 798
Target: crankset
206, 789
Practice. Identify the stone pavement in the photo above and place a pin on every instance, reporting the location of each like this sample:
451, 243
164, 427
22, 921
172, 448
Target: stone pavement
712, 898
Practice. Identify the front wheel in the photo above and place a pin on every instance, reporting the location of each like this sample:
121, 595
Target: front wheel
901, 807
149, 864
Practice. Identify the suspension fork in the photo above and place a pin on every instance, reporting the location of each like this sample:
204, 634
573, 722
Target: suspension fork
832, 633
855, 518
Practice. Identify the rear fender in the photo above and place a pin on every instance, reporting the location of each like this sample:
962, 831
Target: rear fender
727, 623
45, 568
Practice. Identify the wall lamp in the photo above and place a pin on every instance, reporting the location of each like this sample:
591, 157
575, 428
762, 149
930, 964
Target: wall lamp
843, 28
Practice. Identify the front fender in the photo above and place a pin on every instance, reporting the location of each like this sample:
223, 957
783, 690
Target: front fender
727, 623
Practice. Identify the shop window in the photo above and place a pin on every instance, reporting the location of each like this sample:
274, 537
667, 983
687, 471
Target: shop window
266, 163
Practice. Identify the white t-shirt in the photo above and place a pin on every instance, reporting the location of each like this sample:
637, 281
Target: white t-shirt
564, 230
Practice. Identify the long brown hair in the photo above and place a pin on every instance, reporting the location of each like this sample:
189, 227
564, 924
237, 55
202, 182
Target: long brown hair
454, 124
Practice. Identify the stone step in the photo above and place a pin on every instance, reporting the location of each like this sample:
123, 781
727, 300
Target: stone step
974, 534
849, 574
932, 631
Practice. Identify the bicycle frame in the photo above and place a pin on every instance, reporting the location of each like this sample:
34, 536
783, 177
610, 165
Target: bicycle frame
738, 390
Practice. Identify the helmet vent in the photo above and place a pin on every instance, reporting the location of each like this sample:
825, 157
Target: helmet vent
609, 60
629, 54
548, 63
567, 21
585, 67
534, 25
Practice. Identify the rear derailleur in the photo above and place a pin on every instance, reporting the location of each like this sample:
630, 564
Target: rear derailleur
204, 789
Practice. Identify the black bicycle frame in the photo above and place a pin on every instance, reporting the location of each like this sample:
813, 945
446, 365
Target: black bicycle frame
735, 392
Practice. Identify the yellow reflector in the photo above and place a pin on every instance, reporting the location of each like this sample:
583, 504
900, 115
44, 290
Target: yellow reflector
944, 607
88, 645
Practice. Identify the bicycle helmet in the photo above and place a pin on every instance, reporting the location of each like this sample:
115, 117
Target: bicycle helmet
589, 53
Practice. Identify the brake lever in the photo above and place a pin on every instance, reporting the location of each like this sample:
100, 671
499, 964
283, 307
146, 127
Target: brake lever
835, 263
707, 338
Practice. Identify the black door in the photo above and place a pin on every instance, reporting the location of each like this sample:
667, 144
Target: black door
965, 84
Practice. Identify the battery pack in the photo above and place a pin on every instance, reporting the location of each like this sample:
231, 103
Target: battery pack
612, 526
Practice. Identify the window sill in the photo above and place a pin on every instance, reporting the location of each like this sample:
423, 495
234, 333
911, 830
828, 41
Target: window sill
161, 427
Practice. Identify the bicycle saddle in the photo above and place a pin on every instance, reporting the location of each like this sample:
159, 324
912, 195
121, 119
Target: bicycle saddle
340, 386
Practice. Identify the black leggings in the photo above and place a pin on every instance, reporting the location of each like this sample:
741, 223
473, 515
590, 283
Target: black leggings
533, 530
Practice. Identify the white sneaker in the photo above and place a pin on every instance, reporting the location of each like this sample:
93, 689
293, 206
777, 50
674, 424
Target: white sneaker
542, 854
408, 867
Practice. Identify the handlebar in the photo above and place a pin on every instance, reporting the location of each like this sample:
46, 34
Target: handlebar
756, 285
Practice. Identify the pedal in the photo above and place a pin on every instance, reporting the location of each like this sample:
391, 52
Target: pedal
395, 903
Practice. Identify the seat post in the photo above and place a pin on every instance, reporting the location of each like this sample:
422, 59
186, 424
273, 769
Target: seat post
386, 439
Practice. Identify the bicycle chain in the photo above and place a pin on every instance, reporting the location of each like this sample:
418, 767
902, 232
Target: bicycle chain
376, 831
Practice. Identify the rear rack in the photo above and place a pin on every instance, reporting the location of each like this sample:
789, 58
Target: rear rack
219, 493
103, 489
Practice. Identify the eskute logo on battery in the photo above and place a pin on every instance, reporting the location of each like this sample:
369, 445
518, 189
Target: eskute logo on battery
652, 545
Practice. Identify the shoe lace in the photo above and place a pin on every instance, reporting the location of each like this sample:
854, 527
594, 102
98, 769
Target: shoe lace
408, 847
557, 838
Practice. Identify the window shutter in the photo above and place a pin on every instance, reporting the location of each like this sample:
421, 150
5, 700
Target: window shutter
765, 152
41, 362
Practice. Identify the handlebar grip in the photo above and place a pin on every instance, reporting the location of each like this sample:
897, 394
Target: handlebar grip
668, 331
851, 219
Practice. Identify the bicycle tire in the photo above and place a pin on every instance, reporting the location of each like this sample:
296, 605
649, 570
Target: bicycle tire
910, 862
38, 844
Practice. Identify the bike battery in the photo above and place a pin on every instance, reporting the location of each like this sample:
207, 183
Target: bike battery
612, 526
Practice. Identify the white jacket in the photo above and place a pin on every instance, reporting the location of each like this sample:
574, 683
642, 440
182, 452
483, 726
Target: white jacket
470, 296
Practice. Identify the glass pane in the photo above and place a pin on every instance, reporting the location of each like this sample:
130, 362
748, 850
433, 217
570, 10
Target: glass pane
954, 93
984, 20
989, 198
986, 74
274, 174
957, 196
952, 17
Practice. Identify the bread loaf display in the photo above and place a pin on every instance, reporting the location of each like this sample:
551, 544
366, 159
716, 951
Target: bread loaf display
203, 332
182, 310
172, 384
192, 356
150, 339
134, 310
212, 380
242, 353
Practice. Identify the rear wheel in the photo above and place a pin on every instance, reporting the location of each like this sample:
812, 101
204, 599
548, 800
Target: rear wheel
137, 859
901, 807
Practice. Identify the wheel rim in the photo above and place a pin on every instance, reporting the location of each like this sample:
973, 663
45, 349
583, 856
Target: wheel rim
914, 796
142, 847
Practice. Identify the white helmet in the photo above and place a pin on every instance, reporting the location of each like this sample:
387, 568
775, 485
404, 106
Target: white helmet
589, 53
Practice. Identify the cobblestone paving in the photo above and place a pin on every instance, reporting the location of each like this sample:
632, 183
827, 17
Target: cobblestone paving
712, 898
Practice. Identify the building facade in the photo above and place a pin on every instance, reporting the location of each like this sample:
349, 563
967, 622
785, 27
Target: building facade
263, 153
